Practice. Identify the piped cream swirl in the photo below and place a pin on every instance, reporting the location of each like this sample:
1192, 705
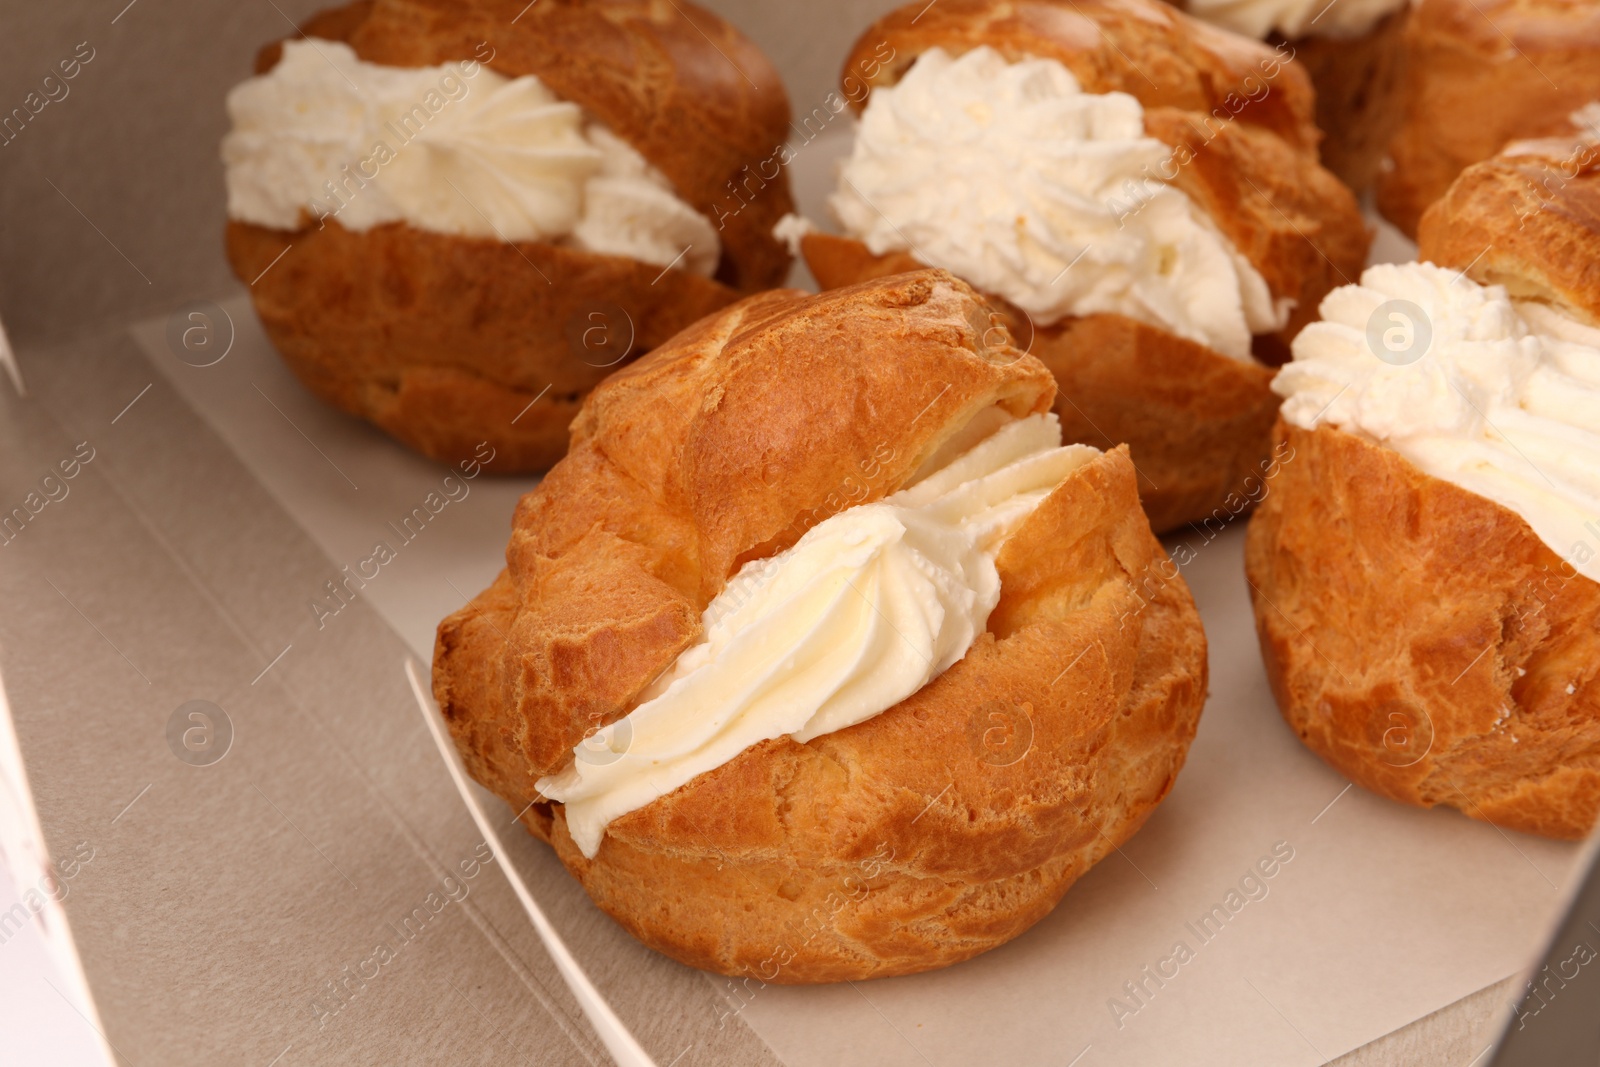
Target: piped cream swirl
1012, 177
454, 149
1500, 397
867, 608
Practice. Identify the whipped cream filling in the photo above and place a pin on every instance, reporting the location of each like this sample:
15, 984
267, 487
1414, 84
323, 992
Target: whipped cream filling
1295, 18
454, 149
1012, 177
864, 610
1500, 397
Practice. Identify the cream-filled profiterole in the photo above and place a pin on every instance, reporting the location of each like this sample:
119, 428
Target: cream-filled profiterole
753, 628
1156, 239
455, 222
1426, 572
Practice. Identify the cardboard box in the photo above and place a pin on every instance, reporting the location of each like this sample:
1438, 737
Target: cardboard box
257, 854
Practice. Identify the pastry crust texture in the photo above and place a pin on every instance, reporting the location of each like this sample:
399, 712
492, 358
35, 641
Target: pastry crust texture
1198, 422
1527, 219
1421, 638
942, 827
1358, 81
1480, 74
446, 341
1424, 641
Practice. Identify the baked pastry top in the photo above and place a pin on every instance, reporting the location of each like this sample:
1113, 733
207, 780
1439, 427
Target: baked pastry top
724, 447
1527, 219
